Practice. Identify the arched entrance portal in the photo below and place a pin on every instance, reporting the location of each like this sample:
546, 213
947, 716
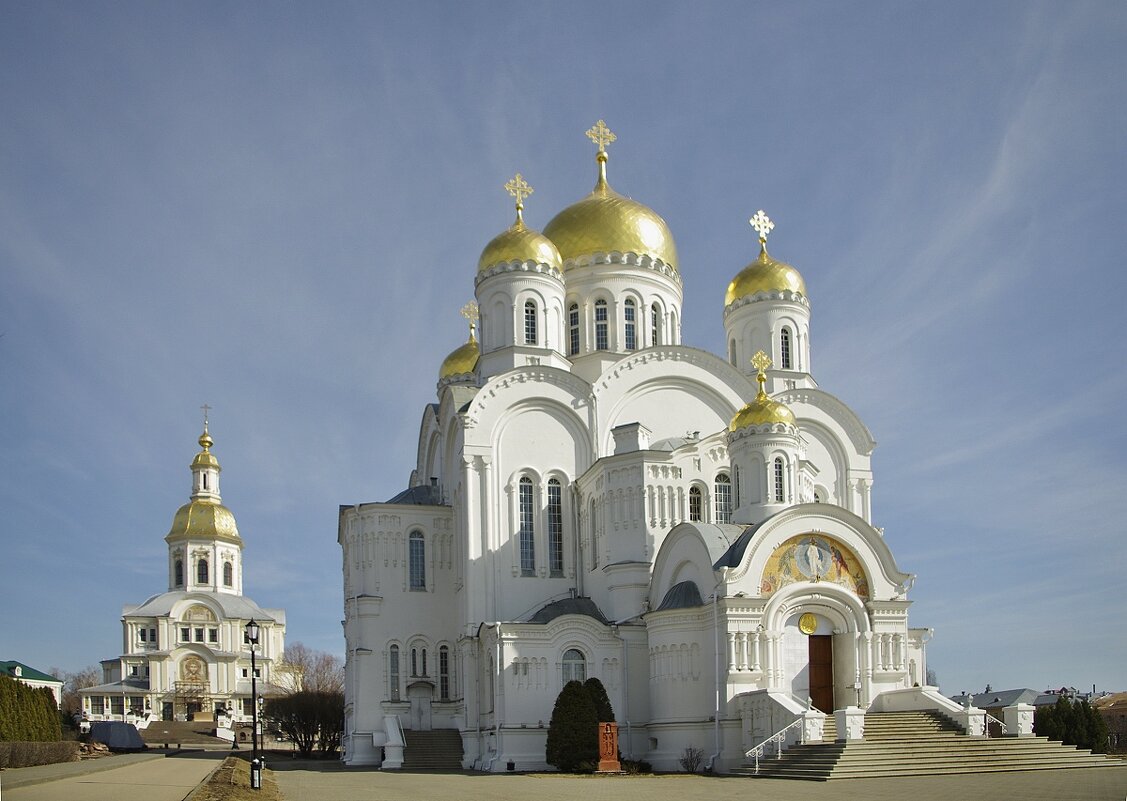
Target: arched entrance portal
808, 659
420, 694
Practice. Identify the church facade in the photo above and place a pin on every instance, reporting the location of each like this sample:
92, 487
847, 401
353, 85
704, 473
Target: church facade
185, 653
591, 498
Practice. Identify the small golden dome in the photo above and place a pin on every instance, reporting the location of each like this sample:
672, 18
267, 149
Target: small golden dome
204, 519
761, 409
607, 222
461, 361
764, 275
519, 243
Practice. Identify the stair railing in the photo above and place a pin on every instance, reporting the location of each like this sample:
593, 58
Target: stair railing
778, 739
1001, 726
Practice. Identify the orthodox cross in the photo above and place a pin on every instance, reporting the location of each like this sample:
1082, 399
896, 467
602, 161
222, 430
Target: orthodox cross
761, 361
762, 223
471, 313
206, 409
518, 188
601, 135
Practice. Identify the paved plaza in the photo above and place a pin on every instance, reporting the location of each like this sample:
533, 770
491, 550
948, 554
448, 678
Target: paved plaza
152, 777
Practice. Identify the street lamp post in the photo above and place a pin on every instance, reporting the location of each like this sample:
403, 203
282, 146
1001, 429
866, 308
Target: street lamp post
255, 765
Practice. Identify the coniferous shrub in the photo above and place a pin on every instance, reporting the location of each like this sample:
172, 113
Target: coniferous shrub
573, 734
27, 714
603, 710
1073, 723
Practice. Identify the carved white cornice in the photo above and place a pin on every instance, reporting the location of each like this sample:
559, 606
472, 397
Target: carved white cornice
629, 259
517, 266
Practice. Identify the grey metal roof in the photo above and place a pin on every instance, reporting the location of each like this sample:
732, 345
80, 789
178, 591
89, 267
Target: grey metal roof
683, 595
568, 606
236, 607
422, 495
996, 698
117, 687
735, 553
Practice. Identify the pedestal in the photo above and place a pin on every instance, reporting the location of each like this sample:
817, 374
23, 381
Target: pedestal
608, 748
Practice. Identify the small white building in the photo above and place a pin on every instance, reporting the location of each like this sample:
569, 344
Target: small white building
184, 652
592, 498
33, 678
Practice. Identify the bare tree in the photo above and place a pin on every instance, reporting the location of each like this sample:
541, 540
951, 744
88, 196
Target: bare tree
89, 676
312, 670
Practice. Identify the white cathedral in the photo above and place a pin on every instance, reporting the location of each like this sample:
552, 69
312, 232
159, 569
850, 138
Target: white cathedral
185, 653
593, 498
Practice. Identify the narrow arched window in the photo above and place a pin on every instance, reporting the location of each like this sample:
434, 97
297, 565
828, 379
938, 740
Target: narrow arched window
723, 492
784, 349
594, 523
629, 316
735, 487
414, 661
555, 528
393, 673
444, 673
574, 666
529, 323
655, 322
732, 352
526, 534
178, 570
201, 572
780, 483
601, 342
417, 569
694, 504
424, 673
228, 574
573, 329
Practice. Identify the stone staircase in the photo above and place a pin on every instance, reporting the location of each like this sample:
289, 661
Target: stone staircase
173, 732
920, 744
438, 749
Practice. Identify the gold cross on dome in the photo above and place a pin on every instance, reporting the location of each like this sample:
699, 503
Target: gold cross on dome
760, 361
470, 312
601, 135
761, 223
518, 188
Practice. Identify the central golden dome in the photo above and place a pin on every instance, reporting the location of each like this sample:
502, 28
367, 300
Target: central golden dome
607, 222
204, 519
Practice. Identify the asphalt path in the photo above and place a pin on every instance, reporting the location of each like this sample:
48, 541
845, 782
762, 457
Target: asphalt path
169, 778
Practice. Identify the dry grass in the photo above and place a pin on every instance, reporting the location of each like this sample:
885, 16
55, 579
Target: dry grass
231, 782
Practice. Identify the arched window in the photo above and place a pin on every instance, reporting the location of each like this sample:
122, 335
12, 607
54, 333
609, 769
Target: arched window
574, 666
694, 504
594, 523
735, 487
417, 569
629, 315
529, 323
784, 349
393, 673
424, 673
601, 342
723, 493
780, 485
444, 673
228, 574
573, 329
201, 572
555, 528
732, 352
414, 661
526, 537
655, 323
178, 570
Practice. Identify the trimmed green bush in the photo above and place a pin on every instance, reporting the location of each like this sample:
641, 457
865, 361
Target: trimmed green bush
27, 714
599, 698
24, 755
573, 734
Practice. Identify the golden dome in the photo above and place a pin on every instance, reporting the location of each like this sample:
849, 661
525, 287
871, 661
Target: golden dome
461, 361
761, 409
764, 275
204, 519
606, 222
519, 243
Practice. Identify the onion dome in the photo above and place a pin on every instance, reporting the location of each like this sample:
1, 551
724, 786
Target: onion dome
204, 517
464, 359
764, 274
519, 242
607, 222
761, 409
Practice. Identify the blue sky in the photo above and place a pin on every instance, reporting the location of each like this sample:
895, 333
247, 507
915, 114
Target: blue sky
277, 209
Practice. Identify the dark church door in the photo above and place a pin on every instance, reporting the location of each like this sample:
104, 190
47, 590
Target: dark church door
822, 672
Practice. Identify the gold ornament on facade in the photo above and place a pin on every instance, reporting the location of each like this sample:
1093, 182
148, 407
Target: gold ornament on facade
808, 623
765, 274
607, 222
